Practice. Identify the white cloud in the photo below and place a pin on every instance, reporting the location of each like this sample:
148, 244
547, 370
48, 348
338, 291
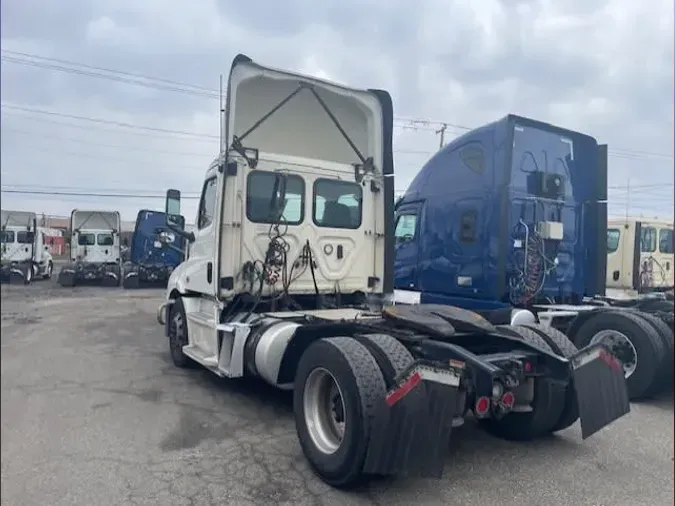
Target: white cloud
602, 67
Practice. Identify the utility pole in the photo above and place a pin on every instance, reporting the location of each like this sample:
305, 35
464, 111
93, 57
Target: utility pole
627, 198
442, 132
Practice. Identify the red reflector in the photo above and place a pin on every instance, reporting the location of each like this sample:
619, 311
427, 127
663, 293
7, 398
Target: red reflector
482, 405
399, 393
508, 400
527, 367
609, 360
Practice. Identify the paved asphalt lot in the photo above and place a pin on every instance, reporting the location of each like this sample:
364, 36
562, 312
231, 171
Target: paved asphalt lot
93, 413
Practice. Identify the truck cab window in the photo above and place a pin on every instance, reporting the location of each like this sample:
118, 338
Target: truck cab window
337, 204
613, 235
473, 158
666, 241
86, 239
648, 240
406, 226
105, 239
25, 237
7, 236
207, 204
260, 187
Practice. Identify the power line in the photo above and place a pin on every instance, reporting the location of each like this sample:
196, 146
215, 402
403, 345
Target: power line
113, 74
108, 122
198, 135
109, 70
80, 194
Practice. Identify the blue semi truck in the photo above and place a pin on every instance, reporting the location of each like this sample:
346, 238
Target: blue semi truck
510, 220
152, 261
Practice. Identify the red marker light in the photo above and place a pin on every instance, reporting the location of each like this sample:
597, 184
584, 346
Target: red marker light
527, 367
482, 406
508, 400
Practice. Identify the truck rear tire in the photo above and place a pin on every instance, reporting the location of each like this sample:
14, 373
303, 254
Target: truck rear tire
178, 335
131, 282
561, 345
664, 378
633, 341
66, 279
48, 271
338, 387
547, 405
27, 271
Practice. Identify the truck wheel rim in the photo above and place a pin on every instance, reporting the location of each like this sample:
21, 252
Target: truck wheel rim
622, 348
324, 411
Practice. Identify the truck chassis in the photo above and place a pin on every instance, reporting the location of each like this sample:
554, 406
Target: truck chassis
379, 393
137, 275
106, 274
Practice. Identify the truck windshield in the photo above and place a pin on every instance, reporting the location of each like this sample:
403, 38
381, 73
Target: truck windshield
105, 239
86, 239
25, 237
6, 236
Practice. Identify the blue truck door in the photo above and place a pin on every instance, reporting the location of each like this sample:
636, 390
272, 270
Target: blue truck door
406, 233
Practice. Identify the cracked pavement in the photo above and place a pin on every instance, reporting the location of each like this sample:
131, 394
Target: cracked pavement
94, 413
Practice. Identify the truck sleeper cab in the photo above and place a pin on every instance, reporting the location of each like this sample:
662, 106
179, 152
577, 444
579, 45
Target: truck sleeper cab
152, 260
287, 278
94, 249
25, 254
513, 215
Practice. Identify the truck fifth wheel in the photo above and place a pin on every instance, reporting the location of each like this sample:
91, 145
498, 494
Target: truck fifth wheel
289, 270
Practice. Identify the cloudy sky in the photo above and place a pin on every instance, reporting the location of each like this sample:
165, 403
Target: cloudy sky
602, 67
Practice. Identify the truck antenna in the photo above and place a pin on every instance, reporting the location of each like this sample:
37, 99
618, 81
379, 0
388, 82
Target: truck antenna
222, 113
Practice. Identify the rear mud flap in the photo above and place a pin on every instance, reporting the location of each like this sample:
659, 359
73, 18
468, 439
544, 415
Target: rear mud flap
601, 389
413, 432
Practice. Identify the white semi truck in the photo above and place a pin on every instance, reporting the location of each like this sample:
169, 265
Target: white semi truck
94, 249
288, 278
639, 256
25, 254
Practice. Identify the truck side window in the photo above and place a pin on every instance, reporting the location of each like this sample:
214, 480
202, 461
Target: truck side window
207, 204
406, 226
467, 226
613, 235
7, 236
259, 190
337, 204
473, 158
648, 240
666, 241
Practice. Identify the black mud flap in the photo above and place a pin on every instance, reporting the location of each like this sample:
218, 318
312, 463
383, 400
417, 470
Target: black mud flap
414, 424
601, 389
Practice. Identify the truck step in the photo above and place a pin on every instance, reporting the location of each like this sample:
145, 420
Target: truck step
202, 319
198, 355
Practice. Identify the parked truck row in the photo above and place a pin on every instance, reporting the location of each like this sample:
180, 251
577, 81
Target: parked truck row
298, 248
391, 322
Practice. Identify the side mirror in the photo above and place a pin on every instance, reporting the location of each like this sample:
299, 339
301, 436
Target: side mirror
172, 207
174, 221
